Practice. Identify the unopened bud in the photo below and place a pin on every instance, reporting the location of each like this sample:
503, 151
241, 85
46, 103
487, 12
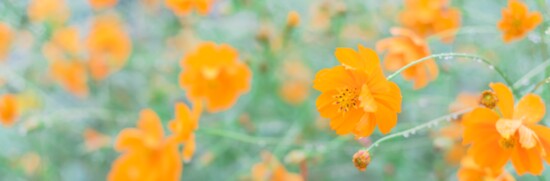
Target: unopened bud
361, 160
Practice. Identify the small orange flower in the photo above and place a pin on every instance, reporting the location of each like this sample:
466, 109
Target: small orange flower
470, 171
293, 19
296, 82
72, 75
147, 154
270, 169
94, 140
102, 4
213, 73
54, 11
429, 17
509, 134
517, 21
183, 126
404, 48
184, 7
109, 47
6, 39
9, 109
356, 96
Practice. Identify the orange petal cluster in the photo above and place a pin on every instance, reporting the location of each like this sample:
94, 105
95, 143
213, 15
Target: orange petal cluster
517, 21
9, 109
184, 125
403, 48
53, 11
102, 4
270, 169
184, 7
469, 170
6, 39
429, 17
356, 96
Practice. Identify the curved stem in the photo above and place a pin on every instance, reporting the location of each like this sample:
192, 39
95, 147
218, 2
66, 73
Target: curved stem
532, 73
457, 55
545, 81
412, 130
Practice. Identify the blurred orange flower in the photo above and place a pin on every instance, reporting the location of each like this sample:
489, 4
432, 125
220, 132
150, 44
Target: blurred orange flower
511, 133
214, 74
183, 126
429, 17
6, 39
30, 162
296, 82
102, 4
470, 171
72, 75
147, 154
270, 169
184, 7
404, 48
9, 109
517, 21
53, 11
356, 96
94, 140
109, 46
293, 19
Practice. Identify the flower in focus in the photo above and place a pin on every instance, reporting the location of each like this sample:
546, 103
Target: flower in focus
293, 19
54, 11
213, 73
183, 126
270, 169
508, 133
403, 48
102, 4
296, 82
517, 21
184, 7
109, 47
361, 160
146, 153
429, 17
9, 109
6, 39
356, 96
470, 171
94, 140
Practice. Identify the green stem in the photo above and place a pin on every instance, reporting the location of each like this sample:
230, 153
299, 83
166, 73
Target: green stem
541, 83
237, 136
410, 131
457, 55
538, 69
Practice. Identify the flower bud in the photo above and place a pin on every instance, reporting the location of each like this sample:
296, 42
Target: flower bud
488, 99
361, 160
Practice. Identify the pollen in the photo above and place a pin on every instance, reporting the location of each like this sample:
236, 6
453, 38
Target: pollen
488, 99
347, 99
508, 143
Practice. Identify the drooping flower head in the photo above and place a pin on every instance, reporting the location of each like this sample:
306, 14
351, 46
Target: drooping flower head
6, 39
184, 7
517, 21
214, 74
9, 109
146, 153
508, 133
429, 17
403, 48
356, 96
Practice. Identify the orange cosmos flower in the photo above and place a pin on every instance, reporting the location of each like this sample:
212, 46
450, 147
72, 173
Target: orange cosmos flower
270, 169
296, 82
6, 38
183, 126
54, 11
356, 96
404, 48
71, 75
109, 47
9, 109
517, 21
428, 17
184, 7
213, 73
470, 171
102, 4
509, 134
147, 154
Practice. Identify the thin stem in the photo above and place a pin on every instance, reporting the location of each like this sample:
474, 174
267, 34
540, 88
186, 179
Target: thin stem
406, 132
456, 55
237, 136
545, 81
540, 68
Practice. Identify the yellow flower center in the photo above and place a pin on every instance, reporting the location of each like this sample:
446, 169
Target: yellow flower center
507, 143
346, 99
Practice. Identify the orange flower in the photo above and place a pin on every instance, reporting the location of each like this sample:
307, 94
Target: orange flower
356, 96
6, 38
509, 134
183, 126
293, 19
94, 140
270, 169
470, 171
428, 17
71, 75
213, 73
102, 4
109, 47
147, 154
404, 48
184, 7
54, 11
296, 82
517, 21
9, 109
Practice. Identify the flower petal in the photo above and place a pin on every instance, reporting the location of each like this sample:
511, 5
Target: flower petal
505, 99
530, 109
